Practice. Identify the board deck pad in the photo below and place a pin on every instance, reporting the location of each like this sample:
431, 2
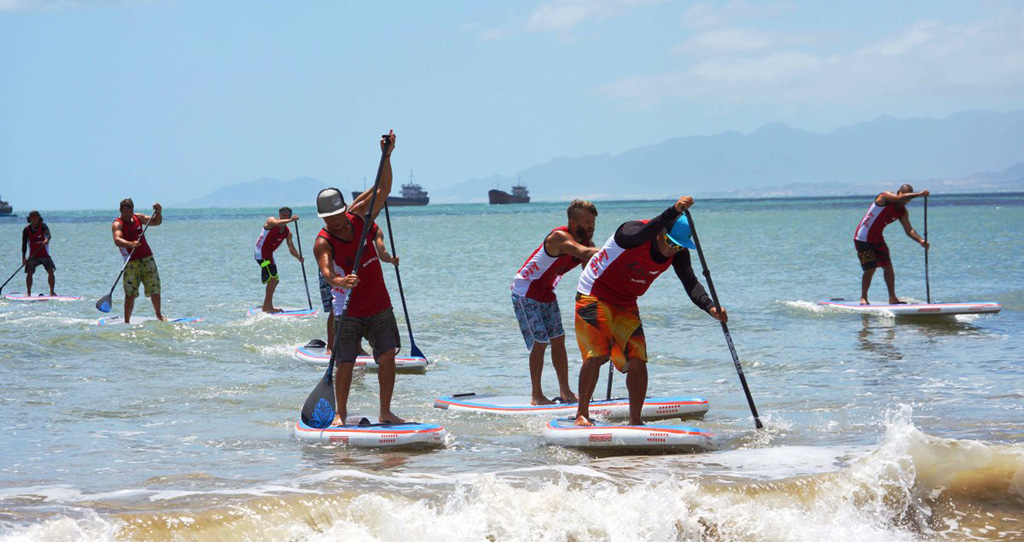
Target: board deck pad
117, 320
404, 365
655, 408
374, 435
288, 312
915, 309
627, 438
23, 297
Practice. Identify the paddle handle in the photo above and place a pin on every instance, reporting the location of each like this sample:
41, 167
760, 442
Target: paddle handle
725, 327
927, 283
401, 292
298, 239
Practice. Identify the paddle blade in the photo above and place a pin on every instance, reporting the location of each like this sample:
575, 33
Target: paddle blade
104, 303
416, 353
320, 406
316, 343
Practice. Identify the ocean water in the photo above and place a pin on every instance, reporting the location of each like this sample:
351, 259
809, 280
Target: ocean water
875, 428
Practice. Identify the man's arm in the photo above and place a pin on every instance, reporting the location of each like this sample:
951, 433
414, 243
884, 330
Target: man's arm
905, 221
46, 234
119, 239
382, 251
273, 221
362, 202
684, 270
636, 233
891, 197
560, 242
322, 252
291, 247
24, 244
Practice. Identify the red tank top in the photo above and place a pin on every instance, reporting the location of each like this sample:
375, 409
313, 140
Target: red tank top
268, 242
371, 295
538, 276
876, 219
36, 248
132, 231
620, 276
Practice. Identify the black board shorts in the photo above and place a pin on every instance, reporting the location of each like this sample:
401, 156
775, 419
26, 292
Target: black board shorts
45, 261
380, 330
872, 255
268, 270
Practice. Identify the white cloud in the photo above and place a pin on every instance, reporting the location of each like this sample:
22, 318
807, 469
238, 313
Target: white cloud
559, 17
703, 15
928, 59
730, 40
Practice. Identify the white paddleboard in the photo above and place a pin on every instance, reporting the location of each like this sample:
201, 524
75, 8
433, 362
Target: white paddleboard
317, 356
119, 320
41, 297
291, 312
916, 309
627, 438
374, 435
655, 408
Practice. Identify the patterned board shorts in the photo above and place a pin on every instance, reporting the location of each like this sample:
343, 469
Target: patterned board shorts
539, 322
606, 330
45, 261
326, 298
872, 255
141, 272
268, 270
380, 330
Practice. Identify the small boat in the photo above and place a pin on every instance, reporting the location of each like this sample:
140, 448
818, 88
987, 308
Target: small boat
519, 195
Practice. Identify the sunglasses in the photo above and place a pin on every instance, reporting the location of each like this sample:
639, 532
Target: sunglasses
671, 243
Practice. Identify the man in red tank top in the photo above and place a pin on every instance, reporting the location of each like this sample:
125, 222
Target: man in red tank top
359, 287
141, 268
871, 248
534, 301
35, 251
275, 231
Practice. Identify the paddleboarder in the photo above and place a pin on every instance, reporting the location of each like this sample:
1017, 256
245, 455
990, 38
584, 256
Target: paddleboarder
275, 231
369, 311
872, 251
35, 251
327, 299
607, 318
141, 267
533, 295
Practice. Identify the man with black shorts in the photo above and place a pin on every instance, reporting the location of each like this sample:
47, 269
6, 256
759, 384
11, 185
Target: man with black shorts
35, 243
369, 312
871, 248
275, 231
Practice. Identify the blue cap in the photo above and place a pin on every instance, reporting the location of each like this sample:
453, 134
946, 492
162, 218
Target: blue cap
679, 233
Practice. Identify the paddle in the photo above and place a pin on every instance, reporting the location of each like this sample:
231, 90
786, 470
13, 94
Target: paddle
319, 408
611, 367
927, 284
414, 351
103, 304
725, 328
12, 277
298, 239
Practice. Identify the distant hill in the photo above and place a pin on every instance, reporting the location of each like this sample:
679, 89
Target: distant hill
857, 157
265, 192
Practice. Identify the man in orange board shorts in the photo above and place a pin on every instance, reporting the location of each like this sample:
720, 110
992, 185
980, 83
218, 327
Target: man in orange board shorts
608, 322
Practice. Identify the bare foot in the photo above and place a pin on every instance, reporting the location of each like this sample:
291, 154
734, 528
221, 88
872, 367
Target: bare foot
897, 302
339, 420
583, 420
327, 352
569, 397
272, 310
389, 417
541, 400
636, 422
864, 301
161, 317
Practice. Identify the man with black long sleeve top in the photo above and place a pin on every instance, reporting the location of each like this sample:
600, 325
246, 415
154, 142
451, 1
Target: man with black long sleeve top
607, 318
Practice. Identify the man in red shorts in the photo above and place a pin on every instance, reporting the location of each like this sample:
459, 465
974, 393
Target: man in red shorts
871, 248
608, 322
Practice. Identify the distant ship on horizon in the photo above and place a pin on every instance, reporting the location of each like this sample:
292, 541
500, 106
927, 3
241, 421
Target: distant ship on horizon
5, 208
412, 195
499, 197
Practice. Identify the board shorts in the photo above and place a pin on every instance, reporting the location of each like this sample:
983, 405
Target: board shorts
45, 261
141, 272
326, 297
268, 270
607, 330
380, 330
539, 322
872, 255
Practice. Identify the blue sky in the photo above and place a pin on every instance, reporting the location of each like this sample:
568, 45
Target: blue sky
168, 99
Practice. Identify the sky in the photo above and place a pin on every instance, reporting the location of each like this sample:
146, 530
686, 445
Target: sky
167, 100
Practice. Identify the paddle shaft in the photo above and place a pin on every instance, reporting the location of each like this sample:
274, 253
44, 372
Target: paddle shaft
401, 292
298, 239
129, 258
611, 372
927, 283
725, 327
12, 277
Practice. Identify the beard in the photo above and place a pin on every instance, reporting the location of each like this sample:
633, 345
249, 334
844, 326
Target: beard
583, 235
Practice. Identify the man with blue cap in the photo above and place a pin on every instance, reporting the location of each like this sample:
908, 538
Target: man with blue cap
608, 322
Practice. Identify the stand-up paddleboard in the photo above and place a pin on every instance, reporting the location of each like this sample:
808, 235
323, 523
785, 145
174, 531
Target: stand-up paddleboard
119, 320
627, 438
316, 355
41, 297
360, 433
294, 312
916, 309
655, 408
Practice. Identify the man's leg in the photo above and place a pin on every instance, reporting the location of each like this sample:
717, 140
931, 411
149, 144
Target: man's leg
330, 332
560, 360
28, 282
536, 370
53, 282
865, 283
268, 296
129, 306
890, 283
156, 306
342, 384
589, 374
636, 384
386, 380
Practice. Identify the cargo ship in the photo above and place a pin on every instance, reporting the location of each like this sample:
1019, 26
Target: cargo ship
412, 194
5, 208
519, 195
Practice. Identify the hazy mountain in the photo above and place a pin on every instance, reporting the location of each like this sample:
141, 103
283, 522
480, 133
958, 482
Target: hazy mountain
877, 152
265, 192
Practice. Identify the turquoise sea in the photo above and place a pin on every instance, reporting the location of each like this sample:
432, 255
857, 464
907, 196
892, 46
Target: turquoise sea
875, 428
